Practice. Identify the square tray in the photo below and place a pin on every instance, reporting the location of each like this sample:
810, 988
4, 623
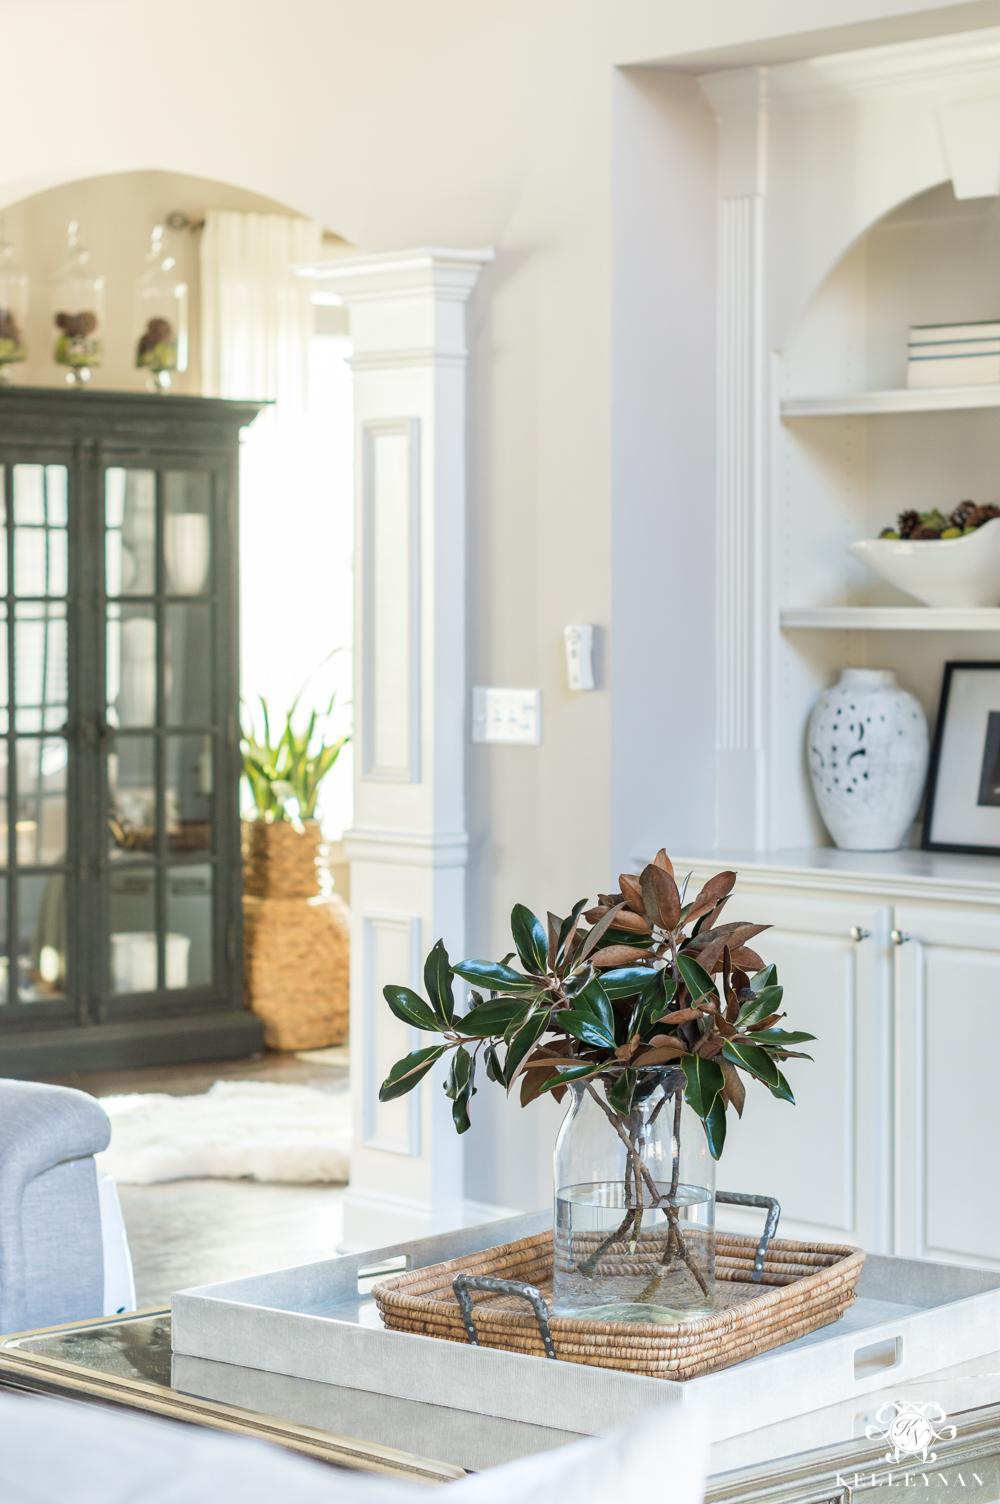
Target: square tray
318, 1323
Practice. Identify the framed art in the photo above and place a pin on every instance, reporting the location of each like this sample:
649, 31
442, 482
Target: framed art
963, 788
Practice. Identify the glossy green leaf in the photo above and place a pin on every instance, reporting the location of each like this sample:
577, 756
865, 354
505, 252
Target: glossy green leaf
781, 1037
586, 1027
459, 1072
578, 980
758, 1062
783, 1091
595, 1001
625, 981
525, 1039
566, 929
437, 981
460, 1087
765, 1003
495, 976
407, 1072
491, 1019
704, 1082
574, 1073
529, 936
621, 1094
698, 981
768, 977
715, 1127
410, 1008
651, 1004
494, 1069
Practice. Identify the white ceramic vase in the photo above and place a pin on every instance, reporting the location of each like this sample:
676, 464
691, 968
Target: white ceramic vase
868, 748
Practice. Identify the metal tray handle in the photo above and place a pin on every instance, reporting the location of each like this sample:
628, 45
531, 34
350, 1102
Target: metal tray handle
462, 1284
737, 1198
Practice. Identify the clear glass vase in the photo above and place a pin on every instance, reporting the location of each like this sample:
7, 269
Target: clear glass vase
13, 308
634, 1206
161, 317
78, 311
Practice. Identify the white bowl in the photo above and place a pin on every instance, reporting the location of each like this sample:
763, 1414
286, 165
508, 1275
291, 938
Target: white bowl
940, 572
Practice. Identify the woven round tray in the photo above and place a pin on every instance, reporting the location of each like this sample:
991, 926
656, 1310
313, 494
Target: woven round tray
804, 1286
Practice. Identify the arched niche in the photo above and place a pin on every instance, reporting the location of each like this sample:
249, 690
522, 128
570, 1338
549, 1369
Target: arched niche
840, 477
117, 212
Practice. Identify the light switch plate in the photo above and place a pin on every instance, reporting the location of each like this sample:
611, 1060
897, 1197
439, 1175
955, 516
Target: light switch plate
579, 641
512, 716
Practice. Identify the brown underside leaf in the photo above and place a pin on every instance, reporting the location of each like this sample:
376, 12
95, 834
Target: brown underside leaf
711, 898
597, 912
633, 924
591, 938
661, 900
748, 959
680, 1016
625, 1052
710, 954
662, 860
735, 1090
608, 900
553, 936
669, 1051
709, 1046
632, 892
765, 1023
619, 955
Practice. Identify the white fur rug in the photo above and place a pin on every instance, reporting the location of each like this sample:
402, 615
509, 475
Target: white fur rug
239, 1130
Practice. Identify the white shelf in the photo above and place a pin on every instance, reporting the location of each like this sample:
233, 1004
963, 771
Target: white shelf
930, 876
895, 618
935, 399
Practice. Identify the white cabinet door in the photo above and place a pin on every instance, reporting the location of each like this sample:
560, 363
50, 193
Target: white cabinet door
948, 1013
828, 1159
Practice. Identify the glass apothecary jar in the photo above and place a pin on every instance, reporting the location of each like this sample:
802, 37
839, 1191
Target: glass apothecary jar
634, 1206
13, 308
78, 311
161, 316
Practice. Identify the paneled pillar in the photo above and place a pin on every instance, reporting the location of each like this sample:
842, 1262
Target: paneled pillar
739, 101
408, 844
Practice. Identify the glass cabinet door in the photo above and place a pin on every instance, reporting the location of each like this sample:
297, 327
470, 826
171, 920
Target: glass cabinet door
34, 748
162, 741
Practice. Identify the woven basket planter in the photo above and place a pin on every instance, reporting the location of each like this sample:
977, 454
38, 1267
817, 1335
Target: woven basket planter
296, 944
280, 861
805, 1286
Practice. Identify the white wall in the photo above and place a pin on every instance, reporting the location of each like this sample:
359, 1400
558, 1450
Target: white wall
499, 122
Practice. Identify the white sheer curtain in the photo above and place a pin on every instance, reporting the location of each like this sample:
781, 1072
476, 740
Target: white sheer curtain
256, 327
256, 317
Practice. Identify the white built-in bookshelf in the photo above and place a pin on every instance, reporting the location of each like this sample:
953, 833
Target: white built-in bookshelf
852, 446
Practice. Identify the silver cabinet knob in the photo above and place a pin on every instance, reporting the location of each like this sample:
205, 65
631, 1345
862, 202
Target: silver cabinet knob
899, 937
857, 933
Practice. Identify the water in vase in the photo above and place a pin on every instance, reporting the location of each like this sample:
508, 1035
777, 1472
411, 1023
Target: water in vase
616, 1262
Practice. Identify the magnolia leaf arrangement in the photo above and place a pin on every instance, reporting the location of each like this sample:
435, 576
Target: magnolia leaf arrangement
644, 982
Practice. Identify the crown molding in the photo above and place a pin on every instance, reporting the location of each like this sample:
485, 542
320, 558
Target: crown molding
447, 273
932, 64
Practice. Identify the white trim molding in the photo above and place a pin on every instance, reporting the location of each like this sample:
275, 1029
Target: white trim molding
409, 847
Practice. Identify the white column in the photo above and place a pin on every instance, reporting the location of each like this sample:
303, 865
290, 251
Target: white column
739, 101
408, 845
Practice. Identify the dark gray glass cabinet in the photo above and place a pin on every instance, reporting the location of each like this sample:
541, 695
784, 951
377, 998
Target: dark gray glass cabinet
120, 892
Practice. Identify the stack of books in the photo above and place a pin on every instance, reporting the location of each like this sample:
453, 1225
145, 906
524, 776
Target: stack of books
954, 354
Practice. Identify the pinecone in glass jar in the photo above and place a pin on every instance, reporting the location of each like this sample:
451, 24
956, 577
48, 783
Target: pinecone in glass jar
908, 523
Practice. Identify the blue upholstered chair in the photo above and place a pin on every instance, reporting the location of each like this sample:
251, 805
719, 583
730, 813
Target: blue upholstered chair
63, 1251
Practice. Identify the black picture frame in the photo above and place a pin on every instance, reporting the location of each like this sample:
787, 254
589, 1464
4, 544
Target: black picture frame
989, 776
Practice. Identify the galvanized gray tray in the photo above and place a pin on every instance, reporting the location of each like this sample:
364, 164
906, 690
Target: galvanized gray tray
317, 1323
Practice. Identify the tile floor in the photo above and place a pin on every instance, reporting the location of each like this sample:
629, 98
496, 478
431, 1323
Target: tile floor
194, 1232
